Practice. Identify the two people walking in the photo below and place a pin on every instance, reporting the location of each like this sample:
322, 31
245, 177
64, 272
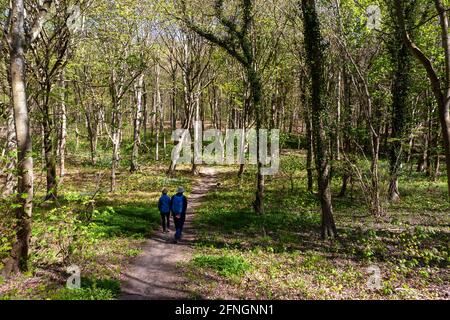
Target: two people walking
177, 205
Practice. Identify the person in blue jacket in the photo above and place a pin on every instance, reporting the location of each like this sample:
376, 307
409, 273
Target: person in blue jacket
164, 210
178, 205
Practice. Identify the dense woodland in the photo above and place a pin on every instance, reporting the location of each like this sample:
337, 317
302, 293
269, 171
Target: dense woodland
91, 91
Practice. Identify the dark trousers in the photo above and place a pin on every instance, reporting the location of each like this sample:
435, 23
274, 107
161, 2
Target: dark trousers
165, 220
179, 223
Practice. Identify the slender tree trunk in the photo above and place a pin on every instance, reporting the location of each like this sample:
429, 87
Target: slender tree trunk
158, 106
116, 139
116, 132
309, 144
145, 111
19, 252
115, 161
137, 124
63, 130
347, 145
254, 81
314, 51
50, 152
173, 111
338, 118
376, 204
194, 169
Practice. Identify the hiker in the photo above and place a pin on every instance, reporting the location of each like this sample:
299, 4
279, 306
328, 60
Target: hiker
179, 207
164, 210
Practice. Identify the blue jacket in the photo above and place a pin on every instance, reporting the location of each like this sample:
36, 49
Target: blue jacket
164, 204
185, 203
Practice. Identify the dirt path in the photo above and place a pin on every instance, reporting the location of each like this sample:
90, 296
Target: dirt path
153, 275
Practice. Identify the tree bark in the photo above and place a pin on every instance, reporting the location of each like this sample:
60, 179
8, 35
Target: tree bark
49, 150
158, 106
63, 129
314, 51
137, 124
401, 59
19, 252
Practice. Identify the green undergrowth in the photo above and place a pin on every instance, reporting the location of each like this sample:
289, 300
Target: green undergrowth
289, 260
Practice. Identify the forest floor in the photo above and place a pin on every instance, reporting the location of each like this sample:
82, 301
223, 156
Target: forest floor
240, 255
236, 253
90, 228
154, 274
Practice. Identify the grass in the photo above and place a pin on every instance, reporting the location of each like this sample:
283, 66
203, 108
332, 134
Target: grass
226, 266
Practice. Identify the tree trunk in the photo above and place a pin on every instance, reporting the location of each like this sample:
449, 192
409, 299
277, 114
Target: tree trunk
401, 58
145, 111
63, 130
137, 124
376, 204
309, 149
116, 134
314, 52
338, 118
19, 252
50, 152
173, 109
115, 139
158, 106
254, 81
347, 144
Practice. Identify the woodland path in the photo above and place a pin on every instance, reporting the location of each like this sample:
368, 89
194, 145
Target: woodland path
153, 275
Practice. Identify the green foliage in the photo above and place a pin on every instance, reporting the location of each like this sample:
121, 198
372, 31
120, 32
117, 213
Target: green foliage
312, 260
129, 221
7, 229
291, 167
292, 141
416, 249
226, 266
60, 238
83, 294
